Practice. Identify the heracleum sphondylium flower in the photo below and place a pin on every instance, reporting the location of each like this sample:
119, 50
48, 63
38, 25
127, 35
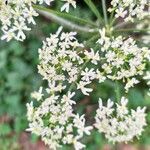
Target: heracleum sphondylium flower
16, 15
130, 9
60, 61
53, 119
63, 63
120, 124
124, 60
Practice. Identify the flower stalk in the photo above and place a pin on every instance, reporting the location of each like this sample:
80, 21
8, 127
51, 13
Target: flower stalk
105, 12
63, 22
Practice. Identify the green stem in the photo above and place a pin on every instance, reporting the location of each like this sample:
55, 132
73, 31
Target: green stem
112, 18
122, 24
67, 16
117, 91
50, 14
91, 40
93, 8
105, 12
133, 30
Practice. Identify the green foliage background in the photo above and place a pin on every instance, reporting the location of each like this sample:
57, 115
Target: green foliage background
19, 77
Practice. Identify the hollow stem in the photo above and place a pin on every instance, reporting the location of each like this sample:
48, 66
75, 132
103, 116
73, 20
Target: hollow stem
105, 12
133, 30
94, 9
117, 91
64, 22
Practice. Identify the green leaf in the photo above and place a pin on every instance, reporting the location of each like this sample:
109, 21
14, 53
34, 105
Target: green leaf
14, 81
135, 98
20, 67
4, 129
13, 100
20, 123
3, 59
16, 47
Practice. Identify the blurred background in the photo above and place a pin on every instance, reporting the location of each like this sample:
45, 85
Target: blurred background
19, 77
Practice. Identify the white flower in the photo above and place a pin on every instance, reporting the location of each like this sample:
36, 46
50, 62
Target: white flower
67, 98
30, 110
81, 85
35, 128
105, 111
122, 109
100, 76
78, 145
130, 9
57, 62
120, 12
37, 95
79, 122
103, 36
8, 35
110, 56
29, 13
67, 5
120, 124
131, 83
88, 75
93, 56
55, 121
17, 15
122, 59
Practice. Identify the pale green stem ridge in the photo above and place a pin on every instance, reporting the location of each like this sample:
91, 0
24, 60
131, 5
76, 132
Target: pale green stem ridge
105, 11
122, 24
67, 16
64, 22
133, 30
93, 8
117, 91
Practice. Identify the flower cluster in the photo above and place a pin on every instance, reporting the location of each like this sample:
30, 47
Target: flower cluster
60, 61
120, 124
16, 15
63, 63
123, 59
68, 66
53, 119
63, 60
130, 9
